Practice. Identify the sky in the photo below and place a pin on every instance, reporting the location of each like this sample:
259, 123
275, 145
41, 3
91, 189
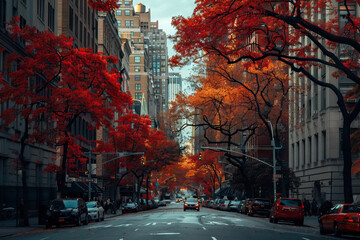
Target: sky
163, 11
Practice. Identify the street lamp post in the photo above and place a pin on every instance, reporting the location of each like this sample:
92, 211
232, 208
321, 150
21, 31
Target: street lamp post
274, 159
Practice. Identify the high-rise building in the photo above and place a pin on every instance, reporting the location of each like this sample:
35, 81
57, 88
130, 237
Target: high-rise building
139, 77
41, 184
175, 85
315, 129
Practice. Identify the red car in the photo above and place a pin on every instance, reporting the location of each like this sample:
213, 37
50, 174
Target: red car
342, 219
287, 209
191, 203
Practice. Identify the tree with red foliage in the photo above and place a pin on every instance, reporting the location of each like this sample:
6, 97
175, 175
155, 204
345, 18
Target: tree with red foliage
78, 84
209, 167
239, 31
103, 5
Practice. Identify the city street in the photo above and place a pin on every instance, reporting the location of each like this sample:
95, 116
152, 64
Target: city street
171, 222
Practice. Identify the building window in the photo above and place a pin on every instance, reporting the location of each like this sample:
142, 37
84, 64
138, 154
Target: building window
131, 34
51, 17
316, 142
118, 12
137, 77
137, 69
137, 86
127, 12
119, 23
137, 59
127, 2
310, 149
324, 145
41, 9
76, 25
138, 96
71, 18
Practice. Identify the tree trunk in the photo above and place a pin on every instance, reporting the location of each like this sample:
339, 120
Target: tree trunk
63, 169
346, 150
25, 202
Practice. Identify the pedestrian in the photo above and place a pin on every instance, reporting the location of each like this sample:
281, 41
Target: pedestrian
307, 207
314, 207
325, 208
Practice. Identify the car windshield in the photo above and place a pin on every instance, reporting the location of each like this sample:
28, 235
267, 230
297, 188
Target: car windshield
235, 202
351, 209
192, 200
91, 204
290, 202
57, 205
130, 204
70, 203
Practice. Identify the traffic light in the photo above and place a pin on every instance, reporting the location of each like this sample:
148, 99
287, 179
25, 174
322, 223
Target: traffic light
200, 155
143, 160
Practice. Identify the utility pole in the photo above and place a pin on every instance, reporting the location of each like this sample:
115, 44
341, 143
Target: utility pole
274, 159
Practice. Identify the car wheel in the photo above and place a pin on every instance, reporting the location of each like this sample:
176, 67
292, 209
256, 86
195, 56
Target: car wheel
184, 209
299, 222
322, 230
275, 220
336, 230
250, 214
48, 225
78, 221
198, 209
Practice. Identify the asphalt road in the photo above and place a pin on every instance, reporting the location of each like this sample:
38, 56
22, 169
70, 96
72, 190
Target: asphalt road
172, 223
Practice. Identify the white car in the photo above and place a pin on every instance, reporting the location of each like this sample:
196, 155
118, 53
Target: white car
95, 211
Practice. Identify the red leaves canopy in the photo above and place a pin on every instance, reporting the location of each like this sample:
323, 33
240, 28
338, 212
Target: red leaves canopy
103, 5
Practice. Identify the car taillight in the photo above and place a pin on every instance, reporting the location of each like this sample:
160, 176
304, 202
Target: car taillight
196, 205
224, 205
277, 206
348, 219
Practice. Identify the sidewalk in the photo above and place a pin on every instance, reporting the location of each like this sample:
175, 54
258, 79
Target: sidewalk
311, 221
8, 227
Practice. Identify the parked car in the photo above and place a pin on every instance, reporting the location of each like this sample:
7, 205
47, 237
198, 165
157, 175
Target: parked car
246, 205
233, 206
191, 203
130, 207
259, 206
66, 211
341, 219
162, 203
287, 209
225, 205
95, 211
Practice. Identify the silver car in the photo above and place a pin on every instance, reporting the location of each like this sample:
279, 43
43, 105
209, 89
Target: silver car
95, 211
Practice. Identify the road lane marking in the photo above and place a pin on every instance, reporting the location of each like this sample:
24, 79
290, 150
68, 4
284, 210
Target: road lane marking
44, 238
123, 225
154, 224
136, 230
147, 224
204, 228
160, 234
107, 226
213, 238
305, 238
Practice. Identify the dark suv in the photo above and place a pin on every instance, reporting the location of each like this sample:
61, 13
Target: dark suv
259, 206
66, 211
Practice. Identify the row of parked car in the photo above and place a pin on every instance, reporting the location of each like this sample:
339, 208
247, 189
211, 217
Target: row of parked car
77, 211
286, 209
339, 219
